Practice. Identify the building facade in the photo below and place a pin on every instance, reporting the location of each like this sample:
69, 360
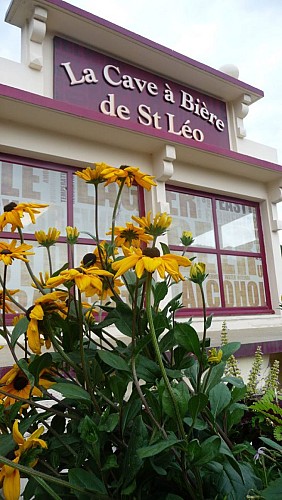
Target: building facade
89, 91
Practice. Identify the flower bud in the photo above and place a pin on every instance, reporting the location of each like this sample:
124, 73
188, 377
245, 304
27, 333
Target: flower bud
215, 356
72, 235
187, 238
198, 272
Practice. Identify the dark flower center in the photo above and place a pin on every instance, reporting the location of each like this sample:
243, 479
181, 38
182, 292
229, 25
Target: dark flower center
28, 312
123, 167
5, 251
89, 259
151, 252
20, 382
129, 235
80, 270
10, 206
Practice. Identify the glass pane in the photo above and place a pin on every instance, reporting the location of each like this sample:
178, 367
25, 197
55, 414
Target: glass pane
191, 297
22, 184
243, 281
191, 213
237, 225
19, 278
84, 201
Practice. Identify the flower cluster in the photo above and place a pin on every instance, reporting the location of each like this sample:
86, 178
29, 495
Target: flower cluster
67, 345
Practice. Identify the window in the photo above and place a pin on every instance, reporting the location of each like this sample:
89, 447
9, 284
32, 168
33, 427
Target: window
228, 238
71, 203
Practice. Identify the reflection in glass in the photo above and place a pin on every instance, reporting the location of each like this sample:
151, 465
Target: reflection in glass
84, 202
243, 281
23, 184
237, 226
191, 292
191, 213
19, 278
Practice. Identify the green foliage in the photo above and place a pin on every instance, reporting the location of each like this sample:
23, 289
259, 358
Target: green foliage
134, 403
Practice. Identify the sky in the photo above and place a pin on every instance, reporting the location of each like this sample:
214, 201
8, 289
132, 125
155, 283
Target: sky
246, 33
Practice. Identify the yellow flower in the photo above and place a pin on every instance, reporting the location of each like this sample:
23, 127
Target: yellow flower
150, 260
72, 235
215, 356
10, 481
8, 308
130, 236
157, 227
9, 476
94, 175
198, 272
110, 287
17, 318
47, 240
32, 441
187, 238
47, 304
82, 278
41, 280
16, 383
13, 213
129, 175
9, 252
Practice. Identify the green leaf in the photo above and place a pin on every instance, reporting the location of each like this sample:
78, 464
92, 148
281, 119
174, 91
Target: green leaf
187, 337
132, 462
229, 349
229, 484
155, 449
72, 391
181, 396
40, 363
271, 443
113, 360
122, 317
219, 397
199, 425
87, 480
160, 290
238, 393
147, 369
209, 451
110, 423
129, 412
215, 376
19, 329
273, 491
167, 342
235, 381
196, 404
209, 321
165, 248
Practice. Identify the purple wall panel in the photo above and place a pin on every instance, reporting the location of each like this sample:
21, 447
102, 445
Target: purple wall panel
139, 100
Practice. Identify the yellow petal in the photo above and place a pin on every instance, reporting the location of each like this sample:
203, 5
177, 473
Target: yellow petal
17, 436
11, 485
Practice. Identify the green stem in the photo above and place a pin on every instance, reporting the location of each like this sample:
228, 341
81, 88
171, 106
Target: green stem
88, 384
115, 213
35, 281
201, 360
6, 333
49, 260
159, 356
12, 298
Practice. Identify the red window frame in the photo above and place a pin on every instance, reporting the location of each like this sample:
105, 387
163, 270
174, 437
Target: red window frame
219, 252
69, 170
